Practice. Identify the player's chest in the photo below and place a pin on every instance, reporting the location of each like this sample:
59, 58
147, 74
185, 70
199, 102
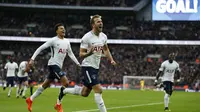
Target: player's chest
171, 66
61, 47
11, 66
96, 41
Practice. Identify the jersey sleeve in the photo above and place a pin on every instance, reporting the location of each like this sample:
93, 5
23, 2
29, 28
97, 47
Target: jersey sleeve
162, 67
178, 68
42, 47
22, 66
71, 54
16, 66
84, 42
6, 66
105, 41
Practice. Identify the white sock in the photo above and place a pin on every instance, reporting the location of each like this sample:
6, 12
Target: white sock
100, 103
24, 92
10, 90
75, 91
59, 102
37, 93
166, 100
17, 91
4, 85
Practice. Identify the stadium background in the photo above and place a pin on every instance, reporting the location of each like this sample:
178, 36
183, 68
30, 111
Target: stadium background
123, 20
27, 20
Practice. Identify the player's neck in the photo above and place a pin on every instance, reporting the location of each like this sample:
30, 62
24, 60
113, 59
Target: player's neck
61, 37
170, 61
95, 32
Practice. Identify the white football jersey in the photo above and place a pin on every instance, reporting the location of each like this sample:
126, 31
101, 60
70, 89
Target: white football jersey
169, 70
22, 67
59, 49
11, 67
89, 40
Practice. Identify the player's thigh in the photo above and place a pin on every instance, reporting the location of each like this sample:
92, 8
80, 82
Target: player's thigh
86, 91
47, 83
26, 83
90, 76
20, 80
97, 88
55, 72
168, 87
64, 81
10, 81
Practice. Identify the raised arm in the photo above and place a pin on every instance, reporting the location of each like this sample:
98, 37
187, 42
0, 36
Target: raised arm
41, 48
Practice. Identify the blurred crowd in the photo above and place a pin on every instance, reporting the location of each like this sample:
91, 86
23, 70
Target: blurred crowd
41, 24
118, 3
132, 60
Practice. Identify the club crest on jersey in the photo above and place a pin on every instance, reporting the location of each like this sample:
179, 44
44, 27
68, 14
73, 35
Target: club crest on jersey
63, 51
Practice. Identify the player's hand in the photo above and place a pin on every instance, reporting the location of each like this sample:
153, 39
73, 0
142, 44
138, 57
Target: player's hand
91, 51
155, 82
178, 80
31, 62
79, 65
29, 65
113, 62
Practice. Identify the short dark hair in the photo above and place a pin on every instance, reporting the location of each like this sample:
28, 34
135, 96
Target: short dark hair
57, 25
93, 17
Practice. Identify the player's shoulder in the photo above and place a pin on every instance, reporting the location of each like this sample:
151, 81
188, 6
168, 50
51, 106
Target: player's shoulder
15, 63
7, 63
165, 62
67, 40
175, 62
24, 62
87, 35
53, 39
103, 35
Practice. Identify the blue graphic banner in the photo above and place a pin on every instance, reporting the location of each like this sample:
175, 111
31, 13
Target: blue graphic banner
177, 10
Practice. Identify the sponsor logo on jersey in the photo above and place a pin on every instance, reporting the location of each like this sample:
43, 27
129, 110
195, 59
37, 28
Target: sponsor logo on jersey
63, 51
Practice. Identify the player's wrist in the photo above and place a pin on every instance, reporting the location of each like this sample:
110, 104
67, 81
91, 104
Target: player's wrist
178, 80
112, 61
88, 54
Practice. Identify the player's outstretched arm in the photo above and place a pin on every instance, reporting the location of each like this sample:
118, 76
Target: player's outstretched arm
72, 56
41, 48
108, 54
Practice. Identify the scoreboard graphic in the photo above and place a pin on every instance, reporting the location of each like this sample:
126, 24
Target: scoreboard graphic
176, 10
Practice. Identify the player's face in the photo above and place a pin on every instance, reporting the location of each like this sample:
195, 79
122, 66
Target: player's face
98, 24
11, 60
61, 31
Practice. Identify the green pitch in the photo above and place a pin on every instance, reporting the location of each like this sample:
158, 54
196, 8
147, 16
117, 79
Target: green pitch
115, 100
